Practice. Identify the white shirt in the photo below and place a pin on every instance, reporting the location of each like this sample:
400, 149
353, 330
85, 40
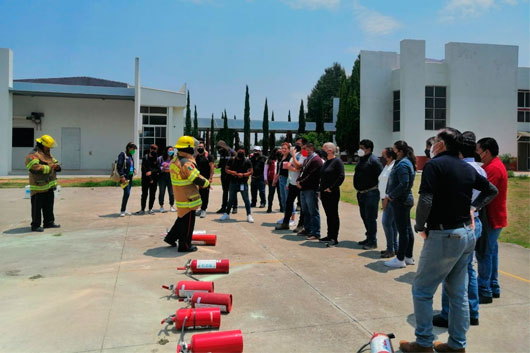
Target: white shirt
478, 168
293, 176
383, 179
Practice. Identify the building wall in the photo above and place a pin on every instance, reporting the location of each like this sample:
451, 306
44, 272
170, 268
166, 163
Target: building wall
377, 96
106, 126
6, 106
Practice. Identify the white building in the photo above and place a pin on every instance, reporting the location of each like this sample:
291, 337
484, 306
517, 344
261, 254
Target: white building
477, 87
91, 119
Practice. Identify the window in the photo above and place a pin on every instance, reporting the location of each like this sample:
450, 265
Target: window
154, 129
435, 107
396, 112
23, 137
523, 106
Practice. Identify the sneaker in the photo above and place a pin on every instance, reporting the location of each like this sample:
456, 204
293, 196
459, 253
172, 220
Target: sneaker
484, 300
250, 219
280, 221
234, 211
173, 209
53, 225
298, 229
220, 211
151, 212
40, 229
312, 237
444, 347
162, 210
494, 295
439, 321
291, 223
409, 261
407, 346
203, 214
387, 254
362, 242
253, 205
172, 243
198, 212
303, 232
473, 321
269, 210
332, 243
282, 226
370, 246
139, 213
325, 239
122, 214
262, 205
395, 263
224, 217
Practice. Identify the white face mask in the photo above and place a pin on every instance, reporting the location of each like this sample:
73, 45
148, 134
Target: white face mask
432, 150
360, 152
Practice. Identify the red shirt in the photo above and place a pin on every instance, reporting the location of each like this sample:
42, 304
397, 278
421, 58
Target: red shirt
496, 209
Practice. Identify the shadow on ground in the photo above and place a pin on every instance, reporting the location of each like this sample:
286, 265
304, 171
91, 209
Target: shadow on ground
313, 244
378, 266
164, 252
406, 278
291, 237
371, 254
20, 230
110, 215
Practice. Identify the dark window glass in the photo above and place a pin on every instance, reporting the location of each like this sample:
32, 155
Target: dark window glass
527, 99
149, 131
429, 114
396, 105
520, 99
157, 110
429, 124
396, 95
395, 126
23, 137
439, 124
429, 102
157, 120
527, 115
439, 114
429, 91
439, 91
520, 117
145, 119
144, 109
161, 143
439, 103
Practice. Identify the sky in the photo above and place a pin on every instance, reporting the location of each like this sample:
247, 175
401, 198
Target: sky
279, 48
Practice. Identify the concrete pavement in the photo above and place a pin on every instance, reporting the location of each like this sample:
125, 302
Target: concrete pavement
94, 284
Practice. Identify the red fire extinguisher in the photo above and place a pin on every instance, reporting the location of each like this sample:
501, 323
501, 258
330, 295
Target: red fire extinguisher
206, 266
195, 318
213, 342
203, 239
186, 289
212, 300
379, 343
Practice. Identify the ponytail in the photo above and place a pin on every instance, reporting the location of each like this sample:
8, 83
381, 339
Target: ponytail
407, 151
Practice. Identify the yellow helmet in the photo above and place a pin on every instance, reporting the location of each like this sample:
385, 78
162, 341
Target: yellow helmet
46, 141
185, 142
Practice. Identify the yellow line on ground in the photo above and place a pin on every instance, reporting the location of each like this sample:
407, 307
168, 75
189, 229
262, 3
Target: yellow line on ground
514, 276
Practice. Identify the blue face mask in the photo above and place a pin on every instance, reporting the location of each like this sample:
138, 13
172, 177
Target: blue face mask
170, 153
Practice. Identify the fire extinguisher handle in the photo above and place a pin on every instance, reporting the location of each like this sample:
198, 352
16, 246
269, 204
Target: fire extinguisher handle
165, 287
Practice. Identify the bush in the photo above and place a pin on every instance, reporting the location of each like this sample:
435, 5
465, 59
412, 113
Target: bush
511, 174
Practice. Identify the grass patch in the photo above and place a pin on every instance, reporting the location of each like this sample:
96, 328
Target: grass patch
32, 278
57, 235
518, 230
349, 168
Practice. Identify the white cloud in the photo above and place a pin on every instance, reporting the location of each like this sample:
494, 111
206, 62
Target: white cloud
374, 23
312, 4
470, 8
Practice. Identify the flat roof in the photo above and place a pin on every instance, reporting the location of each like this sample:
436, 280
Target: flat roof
74, 91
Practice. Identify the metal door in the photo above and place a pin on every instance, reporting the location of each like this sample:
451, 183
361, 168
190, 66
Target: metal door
70, 148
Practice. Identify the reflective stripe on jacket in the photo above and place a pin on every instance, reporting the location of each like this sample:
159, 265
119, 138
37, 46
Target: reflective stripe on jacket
183, 173
41, 176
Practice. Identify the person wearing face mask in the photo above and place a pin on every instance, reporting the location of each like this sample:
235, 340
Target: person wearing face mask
206, 168
225, 154
331, 178
444, 219
269, 175
42, 167
428, 146
388, 220
164, 179
150, 172
282, 174
239, 169
365, 181
257, 181
126, 169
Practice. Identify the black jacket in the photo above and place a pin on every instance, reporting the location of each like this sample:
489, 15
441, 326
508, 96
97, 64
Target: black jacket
367, 173
150, 164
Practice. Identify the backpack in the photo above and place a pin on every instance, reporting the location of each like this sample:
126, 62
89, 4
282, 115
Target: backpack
114, 174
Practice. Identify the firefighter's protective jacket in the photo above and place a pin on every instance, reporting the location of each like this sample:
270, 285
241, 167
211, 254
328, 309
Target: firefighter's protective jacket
42, 177
186, 181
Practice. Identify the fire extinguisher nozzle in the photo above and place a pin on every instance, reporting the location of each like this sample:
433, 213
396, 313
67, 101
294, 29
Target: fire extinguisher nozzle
181, 268
165, 287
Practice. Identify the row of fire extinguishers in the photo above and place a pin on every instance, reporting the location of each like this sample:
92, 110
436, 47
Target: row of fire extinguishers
205, 306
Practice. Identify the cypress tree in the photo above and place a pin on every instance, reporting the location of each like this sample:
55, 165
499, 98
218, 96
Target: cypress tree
187, 126
213, 150
246, 117
301, 119
265, 128
195, 131
289, 116
272, 117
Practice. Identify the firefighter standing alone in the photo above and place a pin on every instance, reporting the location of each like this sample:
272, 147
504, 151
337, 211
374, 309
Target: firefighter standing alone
186, 181
42, 169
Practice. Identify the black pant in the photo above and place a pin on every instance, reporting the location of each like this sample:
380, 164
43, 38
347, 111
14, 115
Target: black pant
257, 184
164, 182
330, 201
225, 182
368, 206
42, 202
404, 226
292, 194
182, 231
272, 191
148, 187
205, 197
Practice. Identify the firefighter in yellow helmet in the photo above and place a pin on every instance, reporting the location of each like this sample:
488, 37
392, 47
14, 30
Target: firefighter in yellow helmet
186, 181
42, 169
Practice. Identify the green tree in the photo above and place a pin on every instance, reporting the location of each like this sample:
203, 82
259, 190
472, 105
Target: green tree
301, 118
272, 117
213, 150
265, 128
320, 100
317, 139
348, 117
289, 116
246, 122
187, 127
195, 131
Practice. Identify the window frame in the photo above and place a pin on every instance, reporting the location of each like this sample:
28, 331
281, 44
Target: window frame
396, 123
435, 107
523, 111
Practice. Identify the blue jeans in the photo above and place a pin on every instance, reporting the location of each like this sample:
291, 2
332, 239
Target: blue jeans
368, 206
257, 184
309, 201
233, 190
444, 258
390, 228
282, 185
472, 287
488, 266
406, 236
126, 193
